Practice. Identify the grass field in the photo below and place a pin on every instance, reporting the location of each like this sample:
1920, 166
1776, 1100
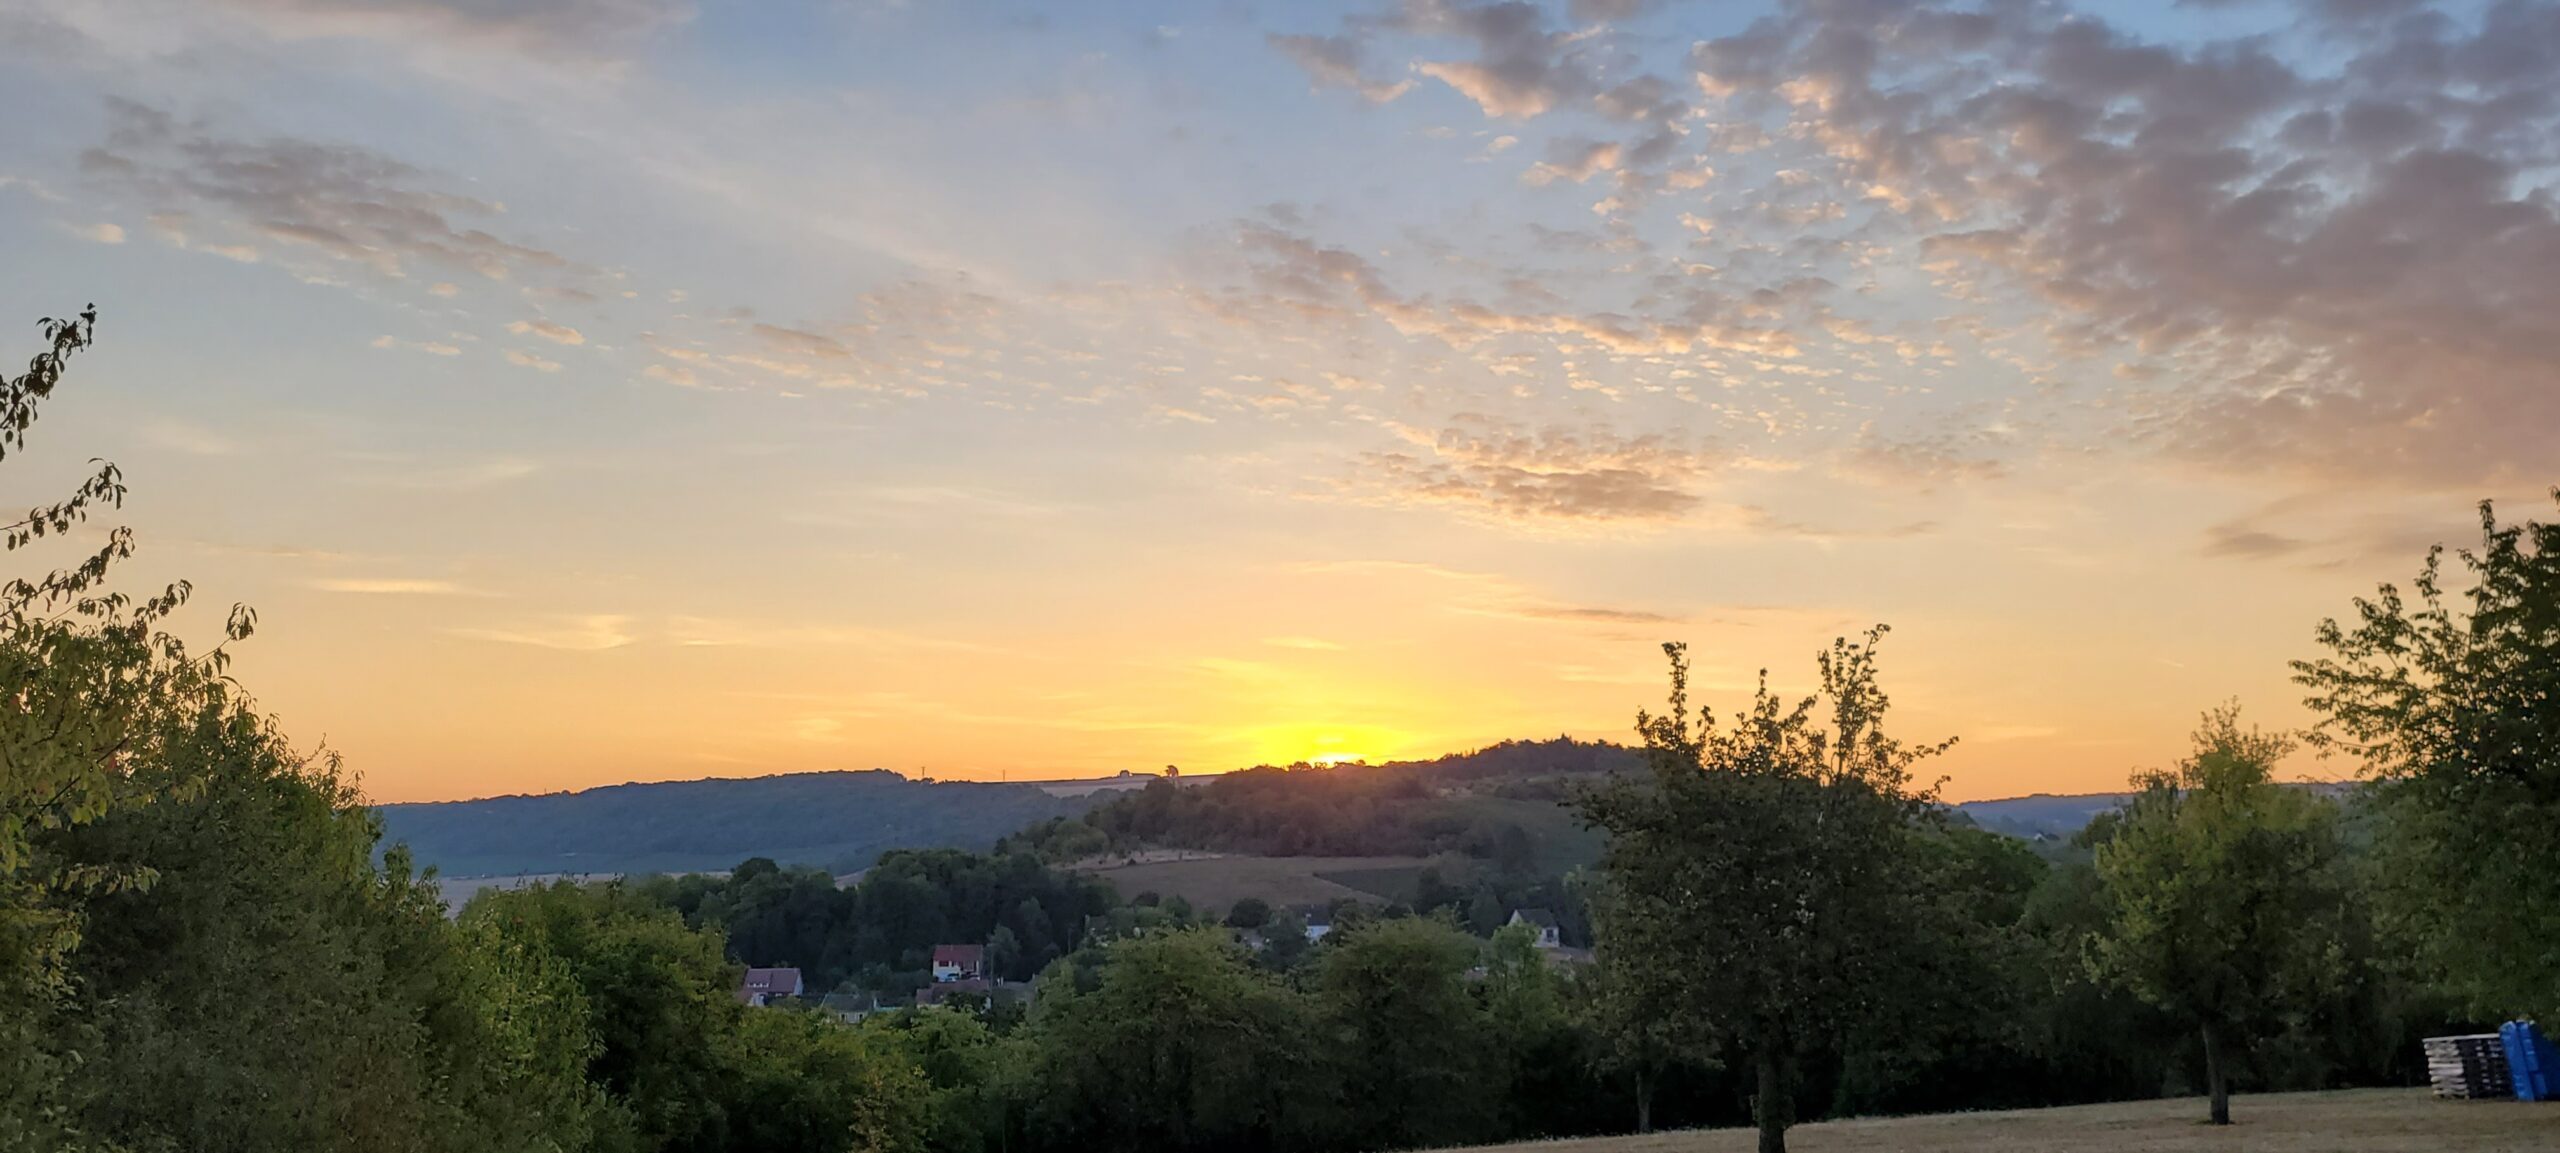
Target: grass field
2351, 1121
1218, 882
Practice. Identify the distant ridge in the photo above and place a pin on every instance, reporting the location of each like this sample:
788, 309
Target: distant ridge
840, 821
843, 821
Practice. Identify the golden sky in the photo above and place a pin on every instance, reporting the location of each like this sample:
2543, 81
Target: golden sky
607, 390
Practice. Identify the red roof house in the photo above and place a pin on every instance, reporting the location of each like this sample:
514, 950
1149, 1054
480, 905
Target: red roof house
959, 963
762, 986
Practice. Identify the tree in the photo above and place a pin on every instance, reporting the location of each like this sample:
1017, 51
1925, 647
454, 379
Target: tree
1249, 913
804, 1083
1180, 1045
2448, 700
2226, 894
1764, 865
1406, 1032
87, 673
1621, 1009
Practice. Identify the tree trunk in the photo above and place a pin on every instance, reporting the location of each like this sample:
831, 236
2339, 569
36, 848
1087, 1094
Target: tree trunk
1644, 1100
1772, 1107
2215, 1084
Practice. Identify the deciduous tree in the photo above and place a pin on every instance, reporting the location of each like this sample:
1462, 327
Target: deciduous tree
2226, 895
1763, 865
2451, 699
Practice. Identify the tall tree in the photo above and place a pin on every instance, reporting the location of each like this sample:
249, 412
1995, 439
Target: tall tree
2452, 702
2226, 894
1620, 1005
88, 672
1180, 1045
1764, 863
1403, 1025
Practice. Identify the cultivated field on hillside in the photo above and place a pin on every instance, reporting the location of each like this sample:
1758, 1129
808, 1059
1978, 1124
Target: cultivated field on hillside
2351, 1121
1217, 882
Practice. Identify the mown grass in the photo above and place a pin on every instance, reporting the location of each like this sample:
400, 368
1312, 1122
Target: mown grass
1219, 882
2349, 1121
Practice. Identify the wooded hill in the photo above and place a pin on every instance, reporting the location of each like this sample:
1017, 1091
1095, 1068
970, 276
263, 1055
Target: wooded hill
840, 822
1499, 804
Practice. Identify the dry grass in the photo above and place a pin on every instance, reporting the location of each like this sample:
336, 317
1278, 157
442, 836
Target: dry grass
1218, 882
2359, 1120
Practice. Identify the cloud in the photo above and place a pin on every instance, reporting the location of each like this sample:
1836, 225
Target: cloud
1335, 62
391, 586
2332, 254
1521, 68
1594, 615
1493, 468
522, 358
462, 477
555, 333
1293, 278
1576, 159
191, 439
2232, 539
430, 347
101, 232
549, 28
585, 634
349, 205
1924, 461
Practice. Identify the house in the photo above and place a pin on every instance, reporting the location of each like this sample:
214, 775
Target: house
1541, 922
1316, 930
941, 990
851, 1007
990, 993
764, 986
959, 963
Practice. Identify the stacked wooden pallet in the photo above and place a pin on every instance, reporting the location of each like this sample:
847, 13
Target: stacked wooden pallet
2473, 1065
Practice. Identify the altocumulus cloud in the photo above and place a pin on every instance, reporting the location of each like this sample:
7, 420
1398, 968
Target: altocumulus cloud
2335, 252
351, 205
1493, 468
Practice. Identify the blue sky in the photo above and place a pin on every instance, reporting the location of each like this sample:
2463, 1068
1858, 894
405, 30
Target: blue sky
597, 390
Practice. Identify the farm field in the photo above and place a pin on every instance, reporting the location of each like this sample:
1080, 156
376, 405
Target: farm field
1215, 882
2348, 1121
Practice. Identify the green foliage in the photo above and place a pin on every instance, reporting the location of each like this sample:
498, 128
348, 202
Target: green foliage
806, 1083
889, 922
976, 1078
90, 676
2227, 893
1769, 865
1622, 1011
1249, 913
1413, 1045
1178, 1045
2447, 699
1404, 809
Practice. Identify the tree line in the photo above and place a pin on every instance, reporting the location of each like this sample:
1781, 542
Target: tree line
200, 948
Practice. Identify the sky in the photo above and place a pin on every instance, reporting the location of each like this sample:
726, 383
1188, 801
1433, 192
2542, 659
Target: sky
601, 390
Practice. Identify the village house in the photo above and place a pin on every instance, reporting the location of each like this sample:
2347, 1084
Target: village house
764, 986
852, 1007
959, 963
1541, 922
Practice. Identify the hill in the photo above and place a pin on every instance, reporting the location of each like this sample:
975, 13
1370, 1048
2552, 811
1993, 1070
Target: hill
1505, 804
2042, 814
1502, 805
837, 821
1217, 883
